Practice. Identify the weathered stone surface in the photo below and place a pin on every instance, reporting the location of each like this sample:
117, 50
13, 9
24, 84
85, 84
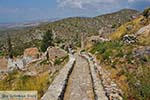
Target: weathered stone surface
54, 53
98, 88
96, 39
56, 89
3, 64
18, 62
143, 30
32, 52
111, 89
15, 63
141, 51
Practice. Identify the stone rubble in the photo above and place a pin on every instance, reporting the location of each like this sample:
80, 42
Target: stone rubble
18, 63
129, 39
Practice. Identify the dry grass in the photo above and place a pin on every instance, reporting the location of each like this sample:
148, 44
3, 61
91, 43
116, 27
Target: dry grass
18, 81
136, 24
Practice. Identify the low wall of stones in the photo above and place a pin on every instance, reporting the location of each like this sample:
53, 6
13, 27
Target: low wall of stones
111, 89
98, 88
57, 88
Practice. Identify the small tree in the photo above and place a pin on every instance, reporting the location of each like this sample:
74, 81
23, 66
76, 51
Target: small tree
47, 40
10, 50
146, 12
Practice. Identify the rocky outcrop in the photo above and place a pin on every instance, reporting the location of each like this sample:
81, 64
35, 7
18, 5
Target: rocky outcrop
144, 30
57, 88
30, 54
143, 35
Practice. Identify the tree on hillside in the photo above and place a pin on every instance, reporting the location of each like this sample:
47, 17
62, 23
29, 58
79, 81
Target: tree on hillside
47, 40
10, 50
146, 12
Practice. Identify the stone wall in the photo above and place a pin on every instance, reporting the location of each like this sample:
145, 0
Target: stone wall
98, 88
110, 87
57, 88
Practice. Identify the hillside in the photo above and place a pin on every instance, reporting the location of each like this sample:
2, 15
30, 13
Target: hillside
127, 57
67, 30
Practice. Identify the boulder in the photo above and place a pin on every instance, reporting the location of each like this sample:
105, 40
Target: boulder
129, 27
128, 39
144, 30
141, 51
15, 63
96, 39
55, 53
32, 52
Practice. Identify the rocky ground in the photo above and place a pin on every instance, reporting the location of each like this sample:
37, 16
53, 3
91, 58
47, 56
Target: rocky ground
111, 89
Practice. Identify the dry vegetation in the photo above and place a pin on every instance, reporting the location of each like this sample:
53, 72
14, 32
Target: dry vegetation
129, 64
19, 80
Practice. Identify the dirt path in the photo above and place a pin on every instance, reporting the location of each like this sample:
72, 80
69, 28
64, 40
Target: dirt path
79, 86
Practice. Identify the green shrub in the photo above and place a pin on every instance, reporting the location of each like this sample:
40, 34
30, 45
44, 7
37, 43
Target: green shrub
114, 25
107, 54
99, 47
58, 61
140, 84
1, 53
146, 12
108, 48
83, 50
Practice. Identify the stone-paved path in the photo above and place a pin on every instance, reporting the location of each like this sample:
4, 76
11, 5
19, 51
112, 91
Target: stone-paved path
79, 86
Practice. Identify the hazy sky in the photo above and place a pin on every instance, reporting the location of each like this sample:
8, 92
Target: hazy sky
29, 10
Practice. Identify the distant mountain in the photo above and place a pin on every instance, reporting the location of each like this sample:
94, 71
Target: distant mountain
68, 30
26, 24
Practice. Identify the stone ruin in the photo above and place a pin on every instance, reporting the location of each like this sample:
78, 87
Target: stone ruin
30, 54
